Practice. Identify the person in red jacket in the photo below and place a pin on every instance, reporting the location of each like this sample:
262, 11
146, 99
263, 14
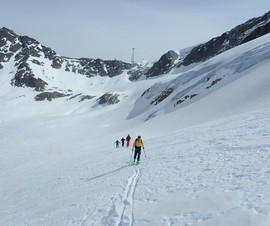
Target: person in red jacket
128, 138
137, 145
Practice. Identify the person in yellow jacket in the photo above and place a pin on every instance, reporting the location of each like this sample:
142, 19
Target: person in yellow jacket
137, 145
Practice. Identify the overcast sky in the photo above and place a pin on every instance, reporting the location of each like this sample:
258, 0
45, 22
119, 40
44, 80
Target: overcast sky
109, 29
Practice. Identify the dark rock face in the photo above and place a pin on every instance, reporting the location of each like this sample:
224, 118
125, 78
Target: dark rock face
109, 98
114, 67
48, 52
57, 62
7, 50
164, 94
6, 35
49, 96
164, 65
86, 97
137, 72
23, 78
243, 33
183, 99
95, 67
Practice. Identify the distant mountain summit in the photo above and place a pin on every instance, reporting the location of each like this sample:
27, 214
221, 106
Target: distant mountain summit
25, 50
36, 66
242, 33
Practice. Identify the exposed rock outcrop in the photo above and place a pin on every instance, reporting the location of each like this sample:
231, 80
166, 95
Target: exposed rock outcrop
163, 65
49, 96
109, 98
243, 33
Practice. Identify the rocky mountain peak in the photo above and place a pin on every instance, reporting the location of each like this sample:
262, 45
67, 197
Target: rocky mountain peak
30, 59
7, 34
163, 65
243, 33
27, 51
8, 45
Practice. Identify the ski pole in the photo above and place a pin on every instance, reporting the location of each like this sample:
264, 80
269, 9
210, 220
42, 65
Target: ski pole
144, 152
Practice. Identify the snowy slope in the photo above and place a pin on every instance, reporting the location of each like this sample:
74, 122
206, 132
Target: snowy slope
206, 162
213, 174
206, 78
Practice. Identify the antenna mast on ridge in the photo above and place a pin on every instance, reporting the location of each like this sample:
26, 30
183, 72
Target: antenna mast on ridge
132, 56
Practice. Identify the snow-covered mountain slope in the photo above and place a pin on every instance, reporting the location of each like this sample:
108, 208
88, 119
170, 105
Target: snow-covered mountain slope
53, 172
33, 65
245, 32
235, 81
245, 68
206, 133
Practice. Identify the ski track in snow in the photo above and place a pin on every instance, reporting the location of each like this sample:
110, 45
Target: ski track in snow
201, 176
122, 210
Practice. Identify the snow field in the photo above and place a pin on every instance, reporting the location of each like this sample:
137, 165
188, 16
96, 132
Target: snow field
213, 174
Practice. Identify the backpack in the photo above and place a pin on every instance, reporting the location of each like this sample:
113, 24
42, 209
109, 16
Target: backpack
139, 141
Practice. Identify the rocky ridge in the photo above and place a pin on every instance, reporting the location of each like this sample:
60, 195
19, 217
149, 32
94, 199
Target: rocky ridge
250, 30
24, 52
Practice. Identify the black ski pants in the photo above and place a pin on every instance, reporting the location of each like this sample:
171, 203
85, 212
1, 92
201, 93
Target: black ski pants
137, 153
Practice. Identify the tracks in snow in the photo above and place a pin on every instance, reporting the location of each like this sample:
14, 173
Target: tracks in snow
122, 210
